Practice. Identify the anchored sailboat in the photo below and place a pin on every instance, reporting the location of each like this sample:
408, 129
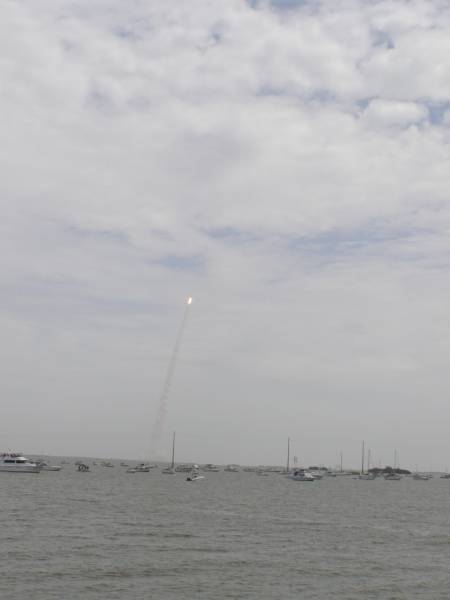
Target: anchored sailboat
171, 470
366, 476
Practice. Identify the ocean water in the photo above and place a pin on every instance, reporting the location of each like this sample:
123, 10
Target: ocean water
109, 535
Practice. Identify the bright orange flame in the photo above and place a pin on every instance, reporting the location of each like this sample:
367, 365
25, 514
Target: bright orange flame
189, 300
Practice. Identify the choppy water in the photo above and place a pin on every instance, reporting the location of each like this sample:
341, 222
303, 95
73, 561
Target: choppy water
109, 535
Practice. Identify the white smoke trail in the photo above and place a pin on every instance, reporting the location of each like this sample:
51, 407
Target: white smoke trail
160, 420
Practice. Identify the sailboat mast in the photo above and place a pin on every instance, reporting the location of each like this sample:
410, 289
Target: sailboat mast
173, 451
362, 459
288, 450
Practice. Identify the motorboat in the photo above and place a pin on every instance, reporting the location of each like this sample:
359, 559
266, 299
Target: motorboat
445, 476
11, 462
301, 475
194, 476
232, 469
392, 476
44, 466
421, 476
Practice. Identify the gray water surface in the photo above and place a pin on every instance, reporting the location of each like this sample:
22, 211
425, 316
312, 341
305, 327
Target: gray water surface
109, 535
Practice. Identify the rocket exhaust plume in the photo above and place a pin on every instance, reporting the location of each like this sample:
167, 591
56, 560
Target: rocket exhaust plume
160, 420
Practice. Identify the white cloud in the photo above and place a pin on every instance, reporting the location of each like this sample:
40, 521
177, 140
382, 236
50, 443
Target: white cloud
389, 113
280, 165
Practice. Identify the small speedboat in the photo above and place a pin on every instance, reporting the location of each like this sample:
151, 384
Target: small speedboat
44, 466
194, 476
47, 467
392, 476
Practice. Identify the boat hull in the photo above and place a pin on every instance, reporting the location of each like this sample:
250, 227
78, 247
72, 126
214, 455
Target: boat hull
19, 469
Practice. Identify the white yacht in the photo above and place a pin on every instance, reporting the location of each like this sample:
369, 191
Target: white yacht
301, 475
16, 463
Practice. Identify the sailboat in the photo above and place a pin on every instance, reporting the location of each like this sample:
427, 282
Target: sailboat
171, 470
365, 476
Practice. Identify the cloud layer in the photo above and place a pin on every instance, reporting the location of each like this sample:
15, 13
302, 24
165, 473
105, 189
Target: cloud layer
284, 162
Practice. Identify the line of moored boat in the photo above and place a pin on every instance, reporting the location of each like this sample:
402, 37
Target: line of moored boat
18, 463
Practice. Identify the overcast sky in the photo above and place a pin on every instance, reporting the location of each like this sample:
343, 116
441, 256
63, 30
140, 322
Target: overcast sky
284, 162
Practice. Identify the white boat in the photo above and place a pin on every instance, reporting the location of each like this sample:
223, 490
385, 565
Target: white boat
232, 469
300, 475
316, 473
44, 466
11, 462
195, 476
392, 476
421, 476
171, 470
142, 468
445, 476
